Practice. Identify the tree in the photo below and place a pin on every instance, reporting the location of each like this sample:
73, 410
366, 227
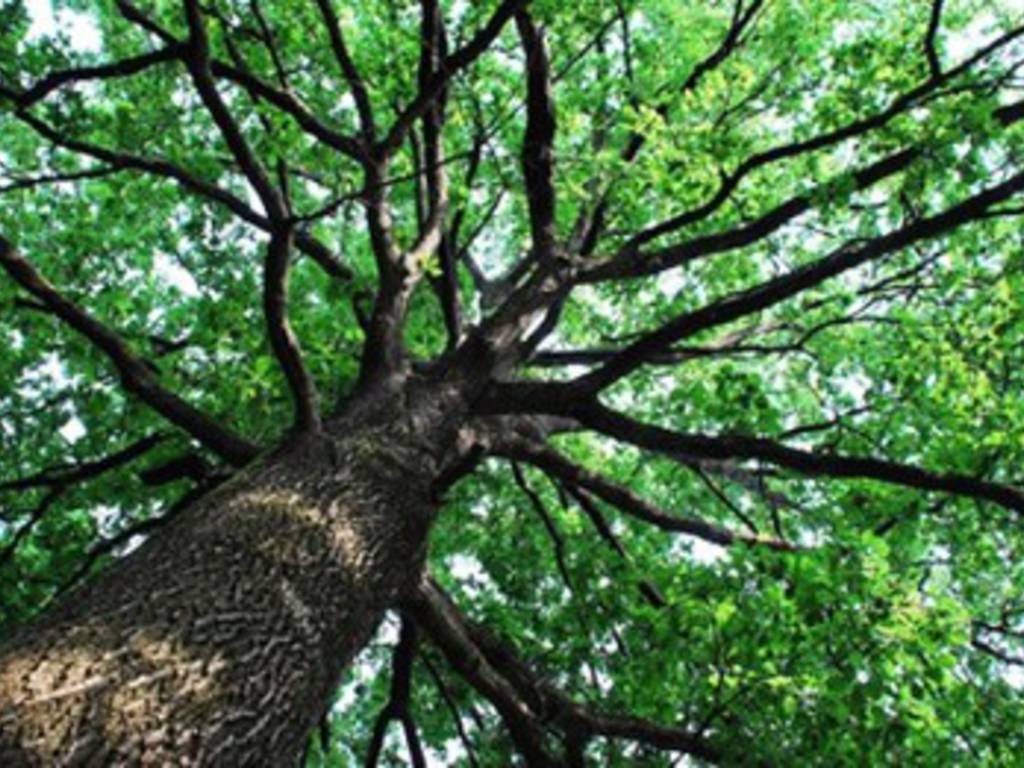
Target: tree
651, 370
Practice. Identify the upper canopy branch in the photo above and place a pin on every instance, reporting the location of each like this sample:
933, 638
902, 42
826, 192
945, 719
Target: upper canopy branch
178, 50
934, 21
189, 181
436, 236
59, 480
401, 271
502, 333
56, 178
452, 64
123, 68
433, 40
70, 474
349, 71
631, 262
284, 100
549, 460
591, 222
796, 281
565, 400
915, 97
538, 143
137, 377
282, 338
832, 465
198, 61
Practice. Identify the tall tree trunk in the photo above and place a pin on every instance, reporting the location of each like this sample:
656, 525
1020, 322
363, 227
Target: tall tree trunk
220, 640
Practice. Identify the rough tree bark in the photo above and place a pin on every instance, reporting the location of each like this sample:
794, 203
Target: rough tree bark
220, 639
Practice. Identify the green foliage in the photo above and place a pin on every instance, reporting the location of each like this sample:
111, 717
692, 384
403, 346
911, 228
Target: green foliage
856, 650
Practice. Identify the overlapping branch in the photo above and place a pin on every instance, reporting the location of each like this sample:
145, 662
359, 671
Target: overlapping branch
161, 168
859, 127
451, 65
798, 280
526, 700
500, 337
275, 277
630, 262
591, 222
286, 101
123, 68
549, 525
439, 618
348, 69
175, 49
59, 480
400, 271
197, 58
552, 462
563, 400
453, 708
138, 378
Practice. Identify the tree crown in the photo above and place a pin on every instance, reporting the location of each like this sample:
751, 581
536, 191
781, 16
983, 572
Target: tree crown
739, 281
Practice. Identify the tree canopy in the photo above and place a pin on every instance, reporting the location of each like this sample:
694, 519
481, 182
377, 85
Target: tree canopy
760, 262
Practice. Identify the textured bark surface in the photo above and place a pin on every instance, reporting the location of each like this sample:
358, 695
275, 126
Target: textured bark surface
220, 640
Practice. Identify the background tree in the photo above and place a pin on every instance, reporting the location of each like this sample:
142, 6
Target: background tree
654, 366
